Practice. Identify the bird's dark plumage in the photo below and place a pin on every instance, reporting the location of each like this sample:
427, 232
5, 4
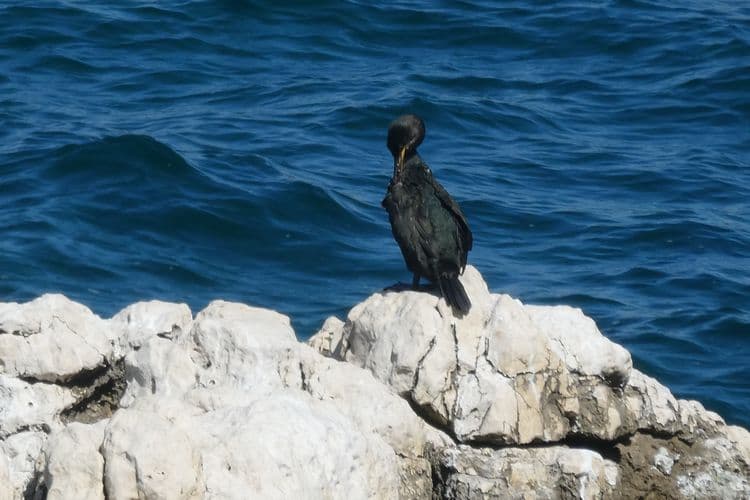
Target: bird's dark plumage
427, 223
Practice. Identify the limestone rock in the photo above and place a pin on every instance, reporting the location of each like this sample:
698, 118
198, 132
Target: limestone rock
372, 408
650, 405
146, 456
697, 422
73, 465
298, 447
51, 339
139, 322
503, 374
22, 451
664, 461
542, 473
740, 439
238, 380
370, 405
6, 487
230, 405
25, 405
328, 339
159, 367
669, 467
238, 345
578, 342
283, 445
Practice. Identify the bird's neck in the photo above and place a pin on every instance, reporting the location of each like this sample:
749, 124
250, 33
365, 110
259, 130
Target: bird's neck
413, 163
412, 171
412, 160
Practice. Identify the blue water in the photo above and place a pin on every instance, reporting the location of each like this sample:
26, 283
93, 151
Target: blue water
192, 150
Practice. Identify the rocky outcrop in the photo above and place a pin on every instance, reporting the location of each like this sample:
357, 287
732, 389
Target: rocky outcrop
506, 373
527, 390
225, 405
401, 400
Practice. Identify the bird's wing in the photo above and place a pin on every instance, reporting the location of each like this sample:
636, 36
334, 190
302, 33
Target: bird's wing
463, 226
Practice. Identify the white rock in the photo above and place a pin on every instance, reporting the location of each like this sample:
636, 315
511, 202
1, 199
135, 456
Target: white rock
695, 420
22, 451
139, 322
299, 449
505, 373
714, 481
230, 405
6, 487
74, 466
238, 345
239, 381
663, 461
649, 404
327, 340
396, 358
160, 366
51, 339
146, 456
370, 405
740, 438
283, 445
540, 473
25, 405
577, 340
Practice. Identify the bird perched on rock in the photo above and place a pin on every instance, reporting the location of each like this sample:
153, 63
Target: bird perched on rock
427, 223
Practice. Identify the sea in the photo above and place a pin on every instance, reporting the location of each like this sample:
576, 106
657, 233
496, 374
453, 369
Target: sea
196, 150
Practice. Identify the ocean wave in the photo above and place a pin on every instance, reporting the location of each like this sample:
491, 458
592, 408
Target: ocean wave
192, 150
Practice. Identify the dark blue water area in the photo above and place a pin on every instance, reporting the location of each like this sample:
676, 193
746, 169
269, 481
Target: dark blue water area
193, 150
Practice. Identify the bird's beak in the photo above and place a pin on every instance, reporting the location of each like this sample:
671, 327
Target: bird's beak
401, 157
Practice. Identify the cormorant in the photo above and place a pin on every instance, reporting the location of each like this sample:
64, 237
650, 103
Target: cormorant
427, 223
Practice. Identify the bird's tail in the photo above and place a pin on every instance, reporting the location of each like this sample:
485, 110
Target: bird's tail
454, 293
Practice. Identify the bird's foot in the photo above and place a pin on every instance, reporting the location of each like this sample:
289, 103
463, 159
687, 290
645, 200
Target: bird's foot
397, 287
402, 287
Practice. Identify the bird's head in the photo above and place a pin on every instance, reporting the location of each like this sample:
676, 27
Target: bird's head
405, 133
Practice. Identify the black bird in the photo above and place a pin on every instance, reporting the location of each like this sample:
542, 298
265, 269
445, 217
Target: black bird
427, 224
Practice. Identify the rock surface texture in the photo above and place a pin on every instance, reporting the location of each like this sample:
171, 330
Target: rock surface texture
401, 400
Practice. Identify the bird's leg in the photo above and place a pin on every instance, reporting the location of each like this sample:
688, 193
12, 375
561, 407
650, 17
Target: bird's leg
415, 282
